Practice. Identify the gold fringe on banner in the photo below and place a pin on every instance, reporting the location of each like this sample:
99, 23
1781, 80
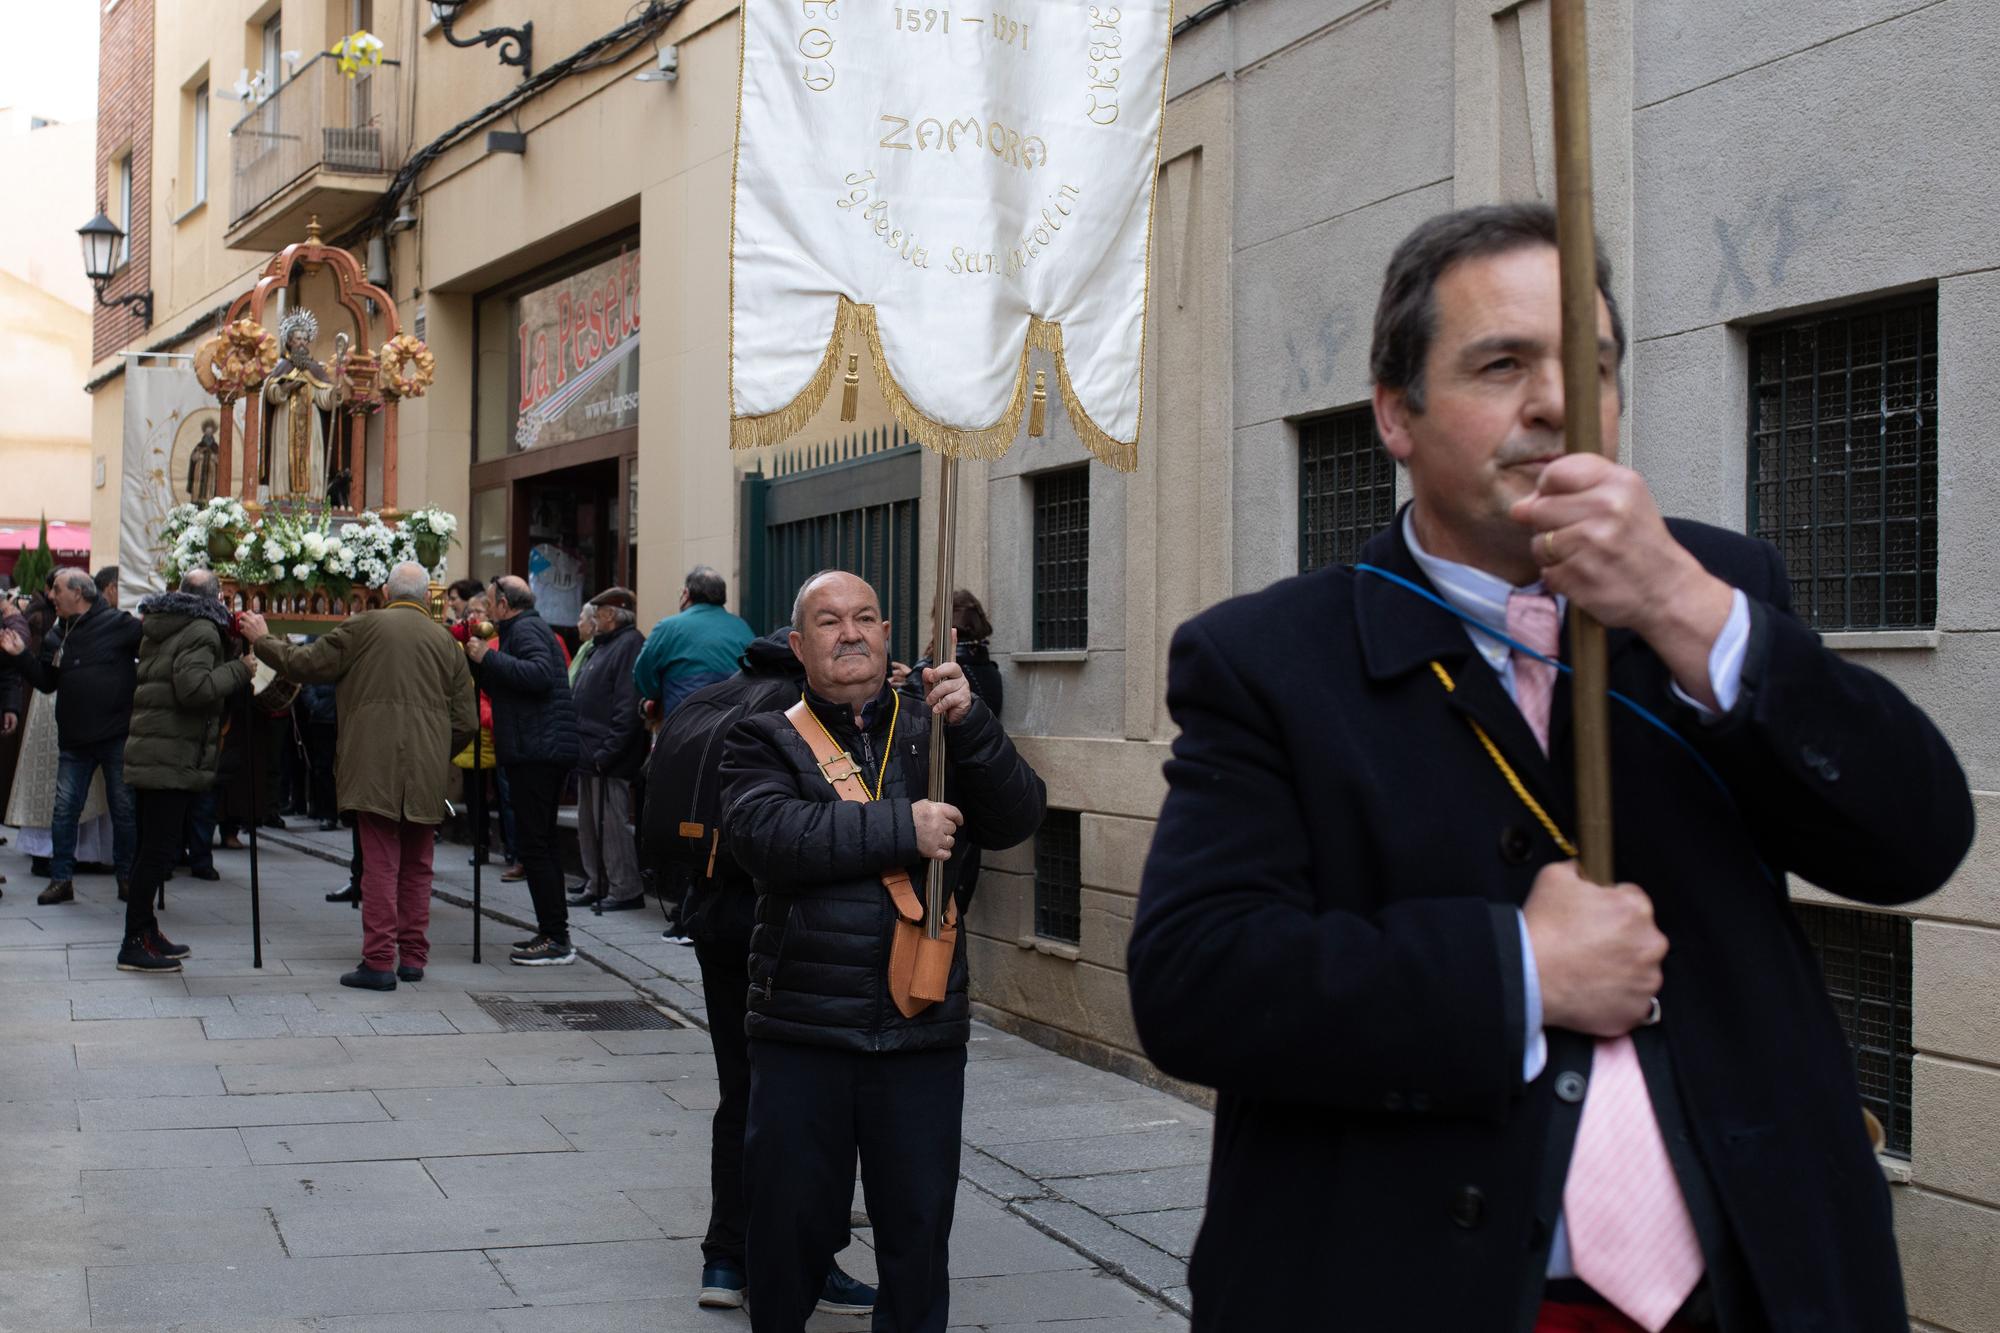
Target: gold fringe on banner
989, 442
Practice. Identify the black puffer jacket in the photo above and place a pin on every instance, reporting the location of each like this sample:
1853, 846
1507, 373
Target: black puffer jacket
186, 675
610, 733
819, 956
93, 683
534, 718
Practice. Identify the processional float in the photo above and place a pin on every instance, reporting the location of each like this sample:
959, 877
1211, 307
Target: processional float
944, 193
289, 530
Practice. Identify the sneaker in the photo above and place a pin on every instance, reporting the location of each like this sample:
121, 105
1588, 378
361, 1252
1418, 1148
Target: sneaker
544, 952
407, 973
165, 947
631, 904
672, 935
365, 977
528, 943
136, 955
58, 891
722, 1287
845, 1295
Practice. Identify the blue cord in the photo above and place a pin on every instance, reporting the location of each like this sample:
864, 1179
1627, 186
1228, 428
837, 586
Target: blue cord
1633, 705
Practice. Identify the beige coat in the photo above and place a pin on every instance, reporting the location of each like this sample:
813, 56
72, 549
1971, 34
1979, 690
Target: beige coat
406, 707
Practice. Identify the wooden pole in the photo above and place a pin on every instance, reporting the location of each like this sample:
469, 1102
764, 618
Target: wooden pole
940, 646
1569, 59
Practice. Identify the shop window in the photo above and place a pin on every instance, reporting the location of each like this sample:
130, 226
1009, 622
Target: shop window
1347, 487
1062, 560
1059, 878
1865, 957
1843, 462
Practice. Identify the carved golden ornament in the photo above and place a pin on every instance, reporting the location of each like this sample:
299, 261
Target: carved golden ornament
235, 360
407, 367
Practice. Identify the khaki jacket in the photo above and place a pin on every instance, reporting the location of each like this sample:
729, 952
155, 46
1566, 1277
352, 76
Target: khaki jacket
406, 707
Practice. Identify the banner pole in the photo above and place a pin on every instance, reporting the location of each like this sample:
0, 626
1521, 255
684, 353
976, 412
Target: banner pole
250, 758
478, 820
941, 645
1576, 232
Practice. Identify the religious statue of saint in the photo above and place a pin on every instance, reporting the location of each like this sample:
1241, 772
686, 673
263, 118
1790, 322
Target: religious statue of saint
202, 466
301, 388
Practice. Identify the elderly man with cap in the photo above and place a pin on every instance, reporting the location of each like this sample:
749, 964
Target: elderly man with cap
611, 749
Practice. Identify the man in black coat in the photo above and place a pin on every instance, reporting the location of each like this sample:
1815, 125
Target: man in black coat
834, 1064
611, 740
90, 663
534, 740
1460, 1087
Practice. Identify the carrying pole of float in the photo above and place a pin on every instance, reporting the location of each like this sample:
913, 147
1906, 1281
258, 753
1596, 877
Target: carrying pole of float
1576, 231
941, 652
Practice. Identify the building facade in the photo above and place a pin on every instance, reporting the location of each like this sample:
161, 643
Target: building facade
1797, 200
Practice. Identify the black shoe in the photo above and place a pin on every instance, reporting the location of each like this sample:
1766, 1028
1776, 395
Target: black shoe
631, 904
845, 1295
672, 935
38, 866
209, 873
274, 821
409, 973
137, 955
722, 1287
58, 891
124, 888
329, 826
544, 952
165, 947
528, 943
365, 977
350, 894
586, 898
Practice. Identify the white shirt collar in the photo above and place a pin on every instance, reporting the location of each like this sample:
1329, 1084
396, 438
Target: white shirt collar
1473, 592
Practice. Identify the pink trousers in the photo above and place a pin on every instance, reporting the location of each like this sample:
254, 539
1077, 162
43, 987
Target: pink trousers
395, 891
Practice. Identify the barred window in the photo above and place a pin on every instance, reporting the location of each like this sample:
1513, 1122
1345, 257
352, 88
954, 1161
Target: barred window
1865, 957
1062, 560
1843, 462
1059, 877
1347, 487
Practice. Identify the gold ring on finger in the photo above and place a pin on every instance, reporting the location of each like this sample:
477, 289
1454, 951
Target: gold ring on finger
1549, 547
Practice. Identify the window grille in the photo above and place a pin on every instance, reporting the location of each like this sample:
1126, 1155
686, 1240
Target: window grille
1059, 877
1347, 487
1062, 560
1843, 462
1865, 957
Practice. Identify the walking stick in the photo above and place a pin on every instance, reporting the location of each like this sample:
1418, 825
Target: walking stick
478, 820
1576, 236
250, 758
941, 638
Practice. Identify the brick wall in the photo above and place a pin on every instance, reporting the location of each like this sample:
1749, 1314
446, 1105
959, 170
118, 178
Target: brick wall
125, 123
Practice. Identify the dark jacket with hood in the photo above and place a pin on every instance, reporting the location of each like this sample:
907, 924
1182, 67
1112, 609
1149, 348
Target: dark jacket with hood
186, 675
609, 731
94, 680
527, 680
819, 956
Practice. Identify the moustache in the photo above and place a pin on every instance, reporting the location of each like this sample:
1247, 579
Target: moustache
1529, 451
852, 650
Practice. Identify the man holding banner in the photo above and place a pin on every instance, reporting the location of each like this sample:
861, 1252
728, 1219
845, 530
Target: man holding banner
1461, 1087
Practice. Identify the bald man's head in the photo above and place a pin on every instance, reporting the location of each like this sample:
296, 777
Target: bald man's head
839, 635
511, 596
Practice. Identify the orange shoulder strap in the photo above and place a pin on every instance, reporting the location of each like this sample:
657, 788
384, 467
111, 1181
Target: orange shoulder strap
844, 776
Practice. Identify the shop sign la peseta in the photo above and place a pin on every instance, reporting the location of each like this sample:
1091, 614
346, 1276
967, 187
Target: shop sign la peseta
577, 369
951, 188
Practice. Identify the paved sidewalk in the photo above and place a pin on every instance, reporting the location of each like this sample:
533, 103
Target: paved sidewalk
235, 1149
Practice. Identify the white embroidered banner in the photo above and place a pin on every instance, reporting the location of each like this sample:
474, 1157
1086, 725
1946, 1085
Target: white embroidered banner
953, 186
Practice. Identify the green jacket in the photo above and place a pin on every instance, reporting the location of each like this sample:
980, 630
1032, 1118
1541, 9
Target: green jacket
406, 706
186, 676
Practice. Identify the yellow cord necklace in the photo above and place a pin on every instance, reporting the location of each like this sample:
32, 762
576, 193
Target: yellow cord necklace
888, 744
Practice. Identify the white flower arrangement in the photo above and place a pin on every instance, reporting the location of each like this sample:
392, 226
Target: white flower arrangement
193, 534
300, 548
432, 528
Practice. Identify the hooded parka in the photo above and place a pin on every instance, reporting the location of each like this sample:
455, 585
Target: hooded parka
186, 676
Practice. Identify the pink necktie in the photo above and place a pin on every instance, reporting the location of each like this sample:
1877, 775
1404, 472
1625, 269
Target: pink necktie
1630, 1236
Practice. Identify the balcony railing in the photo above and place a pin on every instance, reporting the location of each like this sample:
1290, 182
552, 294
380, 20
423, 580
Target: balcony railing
317, 120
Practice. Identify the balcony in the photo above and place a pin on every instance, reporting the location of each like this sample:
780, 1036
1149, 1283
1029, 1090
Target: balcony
320, 143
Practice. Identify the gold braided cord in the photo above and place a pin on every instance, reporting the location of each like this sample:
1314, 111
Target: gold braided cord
1507, 772
988, 442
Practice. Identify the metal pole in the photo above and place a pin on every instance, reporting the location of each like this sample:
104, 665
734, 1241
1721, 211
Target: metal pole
1577, 246
478, 818
941, 645
250, 758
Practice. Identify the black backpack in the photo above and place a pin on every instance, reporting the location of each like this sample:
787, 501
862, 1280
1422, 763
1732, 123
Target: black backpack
680, 833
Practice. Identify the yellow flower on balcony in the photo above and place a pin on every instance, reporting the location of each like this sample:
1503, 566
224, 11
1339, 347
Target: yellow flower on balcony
358, 50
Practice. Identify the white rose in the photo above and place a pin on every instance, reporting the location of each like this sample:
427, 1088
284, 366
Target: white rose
273, 553
243, 551
301, 571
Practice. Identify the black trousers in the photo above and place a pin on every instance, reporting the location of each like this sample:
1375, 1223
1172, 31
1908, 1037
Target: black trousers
811, 1108
725, 983
162, 820
537, 789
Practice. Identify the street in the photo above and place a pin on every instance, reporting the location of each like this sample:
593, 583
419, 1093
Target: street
239, 1149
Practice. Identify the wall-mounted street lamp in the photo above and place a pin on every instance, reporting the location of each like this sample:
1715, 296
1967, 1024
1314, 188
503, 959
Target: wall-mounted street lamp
101, 239
523, 37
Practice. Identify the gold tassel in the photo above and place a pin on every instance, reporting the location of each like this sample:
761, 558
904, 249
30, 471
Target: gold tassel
1038, 407
850, 389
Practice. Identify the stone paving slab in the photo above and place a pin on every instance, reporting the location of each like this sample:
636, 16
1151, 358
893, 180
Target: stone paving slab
334, 1159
